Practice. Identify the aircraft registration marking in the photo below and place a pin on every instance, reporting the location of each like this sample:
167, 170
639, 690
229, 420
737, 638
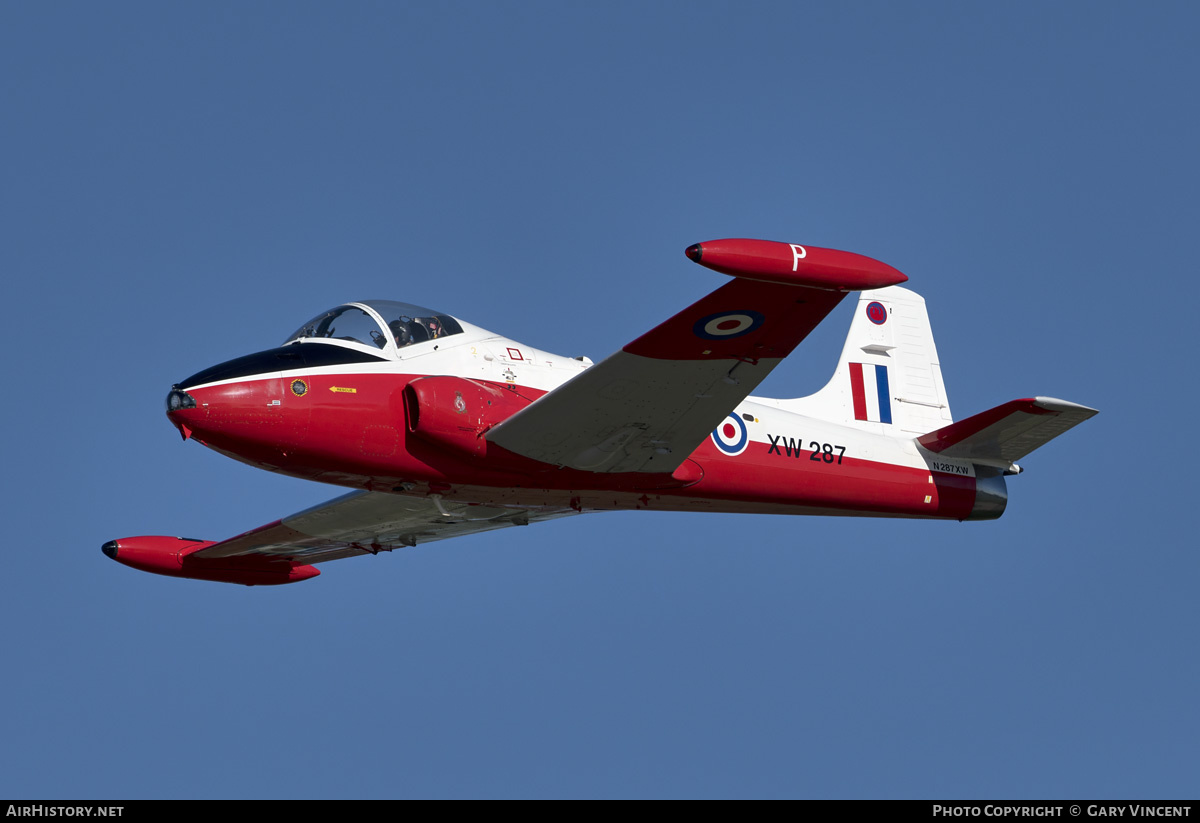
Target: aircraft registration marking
818, 452
949, 468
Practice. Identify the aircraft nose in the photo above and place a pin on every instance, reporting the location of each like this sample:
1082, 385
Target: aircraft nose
110, 549
178, 403
177, 399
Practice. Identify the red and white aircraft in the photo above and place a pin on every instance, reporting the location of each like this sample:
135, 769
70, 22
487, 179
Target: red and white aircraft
446, 429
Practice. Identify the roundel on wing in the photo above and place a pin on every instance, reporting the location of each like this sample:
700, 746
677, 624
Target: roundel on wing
731, 436
727, 324
876, 313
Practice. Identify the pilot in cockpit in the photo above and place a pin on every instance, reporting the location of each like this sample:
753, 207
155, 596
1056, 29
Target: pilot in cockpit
407, 330
401, 331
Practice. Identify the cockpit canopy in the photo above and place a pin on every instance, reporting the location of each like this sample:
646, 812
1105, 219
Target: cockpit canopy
377, 324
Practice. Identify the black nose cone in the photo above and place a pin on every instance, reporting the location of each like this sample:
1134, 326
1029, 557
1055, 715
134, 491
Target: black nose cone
110, 548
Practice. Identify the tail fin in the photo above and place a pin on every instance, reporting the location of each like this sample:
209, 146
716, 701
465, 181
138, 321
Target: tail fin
888, 379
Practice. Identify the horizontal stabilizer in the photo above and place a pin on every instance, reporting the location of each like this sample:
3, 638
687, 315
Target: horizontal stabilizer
1008, 432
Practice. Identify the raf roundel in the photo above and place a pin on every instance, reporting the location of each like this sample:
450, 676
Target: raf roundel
731, 436
876, 313
727, 324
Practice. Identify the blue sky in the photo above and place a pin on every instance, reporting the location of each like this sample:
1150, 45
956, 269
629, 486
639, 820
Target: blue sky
184, 183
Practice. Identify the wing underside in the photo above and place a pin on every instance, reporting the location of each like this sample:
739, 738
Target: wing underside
367, 523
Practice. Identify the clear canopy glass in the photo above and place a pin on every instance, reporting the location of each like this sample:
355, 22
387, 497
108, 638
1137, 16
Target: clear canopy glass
343, 323
404, 324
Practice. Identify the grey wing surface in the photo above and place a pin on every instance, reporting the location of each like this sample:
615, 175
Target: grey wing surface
369, 522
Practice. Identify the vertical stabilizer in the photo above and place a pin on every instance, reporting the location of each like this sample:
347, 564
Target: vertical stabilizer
888, 379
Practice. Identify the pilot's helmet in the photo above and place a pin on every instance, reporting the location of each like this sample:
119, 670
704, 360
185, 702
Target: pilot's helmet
435, 328
401, 332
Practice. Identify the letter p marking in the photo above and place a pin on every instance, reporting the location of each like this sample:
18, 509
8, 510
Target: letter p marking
798, 254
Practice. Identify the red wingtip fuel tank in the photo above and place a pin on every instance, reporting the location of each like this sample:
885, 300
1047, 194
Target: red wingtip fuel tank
170, 556
794, 265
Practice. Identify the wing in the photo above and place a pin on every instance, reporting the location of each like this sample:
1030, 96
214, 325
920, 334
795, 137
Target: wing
367, 523
649, 405
1008, 432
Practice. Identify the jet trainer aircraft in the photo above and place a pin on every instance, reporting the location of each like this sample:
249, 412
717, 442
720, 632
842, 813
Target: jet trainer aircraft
445, 429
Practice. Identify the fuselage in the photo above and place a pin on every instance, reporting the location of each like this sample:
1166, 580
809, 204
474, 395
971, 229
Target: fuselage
384, 410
